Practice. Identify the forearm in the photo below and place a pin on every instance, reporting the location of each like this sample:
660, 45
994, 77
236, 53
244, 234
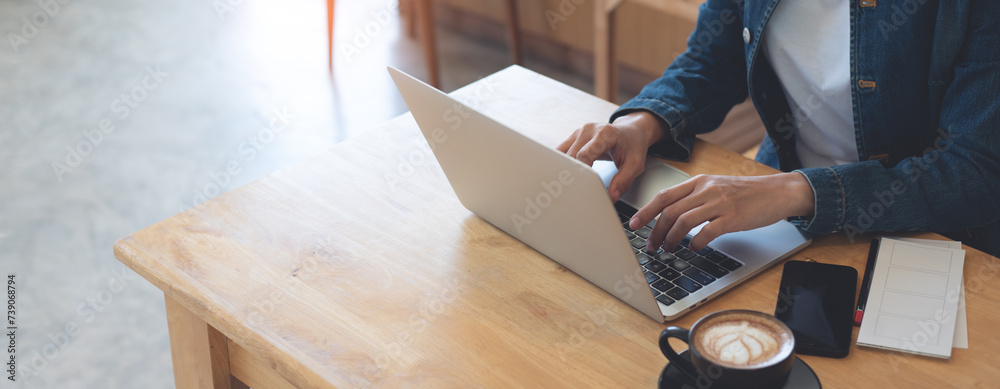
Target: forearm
941, 191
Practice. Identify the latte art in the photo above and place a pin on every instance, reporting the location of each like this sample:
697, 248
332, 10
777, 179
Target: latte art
742, 341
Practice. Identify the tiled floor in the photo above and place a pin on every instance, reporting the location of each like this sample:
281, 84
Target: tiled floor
186, 86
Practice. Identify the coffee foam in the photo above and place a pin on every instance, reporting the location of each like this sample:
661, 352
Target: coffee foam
742, 340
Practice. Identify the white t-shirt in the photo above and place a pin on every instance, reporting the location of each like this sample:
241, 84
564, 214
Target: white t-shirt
808, 45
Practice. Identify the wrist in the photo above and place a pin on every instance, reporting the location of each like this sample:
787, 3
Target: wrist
652, 129
801, 198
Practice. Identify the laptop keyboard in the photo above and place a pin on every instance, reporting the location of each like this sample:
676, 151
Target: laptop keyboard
672, 275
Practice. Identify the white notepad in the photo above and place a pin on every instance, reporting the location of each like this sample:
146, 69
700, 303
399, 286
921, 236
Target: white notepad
961, 339
914, 297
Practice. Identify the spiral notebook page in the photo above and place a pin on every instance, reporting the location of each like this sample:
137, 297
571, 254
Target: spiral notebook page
914, 297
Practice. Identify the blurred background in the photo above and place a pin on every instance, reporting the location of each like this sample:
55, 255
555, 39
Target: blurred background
117, 114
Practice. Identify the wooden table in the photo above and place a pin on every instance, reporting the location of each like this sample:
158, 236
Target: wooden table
359, 267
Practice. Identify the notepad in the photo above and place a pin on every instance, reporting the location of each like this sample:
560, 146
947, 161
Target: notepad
914, 297
961, 338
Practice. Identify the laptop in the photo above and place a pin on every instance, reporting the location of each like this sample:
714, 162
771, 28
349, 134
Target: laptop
560, 207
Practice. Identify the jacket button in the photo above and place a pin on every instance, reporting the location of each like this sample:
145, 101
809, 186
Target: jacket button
746, 35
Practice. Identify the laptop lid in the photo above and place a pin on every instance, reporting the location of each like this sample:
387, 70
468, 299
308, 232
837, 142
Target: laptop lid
551, 202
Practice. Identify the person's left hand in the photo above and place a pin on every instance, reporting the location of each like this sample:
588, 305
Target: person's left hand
728, 203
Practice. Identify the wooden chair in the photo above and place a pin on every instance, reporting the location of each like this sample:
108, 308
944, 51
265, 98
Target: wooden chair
329, 30
421, 15
605, 63
741, 132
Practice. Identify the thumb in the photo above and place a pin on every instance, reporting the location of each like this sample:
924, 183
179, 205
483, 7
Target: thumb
627, 173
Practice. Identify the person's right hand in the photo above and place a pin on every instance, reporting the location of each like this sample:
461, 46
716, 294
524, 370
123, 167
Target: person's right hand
625, 141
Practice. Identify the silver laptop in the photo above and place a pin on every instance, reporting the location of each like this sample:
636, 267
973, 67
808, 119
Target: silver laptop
560, 207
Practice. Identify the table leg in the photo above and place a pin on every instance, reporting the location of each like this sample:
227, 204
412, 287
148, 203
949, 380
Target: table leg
199, 352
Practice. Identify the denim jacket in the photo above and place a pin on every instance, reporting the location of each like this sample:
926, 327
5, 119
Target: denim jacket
925, 87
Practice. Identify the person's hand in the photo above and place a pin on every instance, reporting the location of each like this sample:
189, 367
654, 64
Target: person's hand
625, 141
729, 204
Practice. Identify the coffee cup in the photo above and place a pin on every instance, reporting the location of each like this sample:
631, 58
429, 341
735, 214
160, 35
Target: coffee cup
734, 349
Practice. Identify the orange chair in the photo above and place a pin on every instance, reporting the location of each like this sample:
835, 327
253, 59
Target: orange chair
329, 30
421, 15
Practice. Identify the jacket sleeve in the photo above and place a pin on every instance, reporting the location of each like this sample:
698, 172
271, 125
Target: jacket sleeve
954, 185
700, 87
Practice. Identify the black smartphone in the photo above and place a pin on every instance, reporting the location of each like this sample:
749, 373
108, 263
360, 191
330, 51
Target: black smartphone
816, 300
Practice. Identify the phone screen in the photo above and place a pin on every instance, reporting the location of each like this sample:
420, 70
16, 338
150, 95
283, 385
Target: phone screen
816, 300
